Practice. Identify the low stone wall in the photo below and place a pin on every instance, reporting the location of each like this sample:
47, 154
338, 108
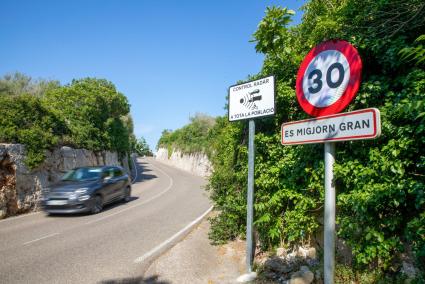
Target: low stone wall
197, 164
20, 188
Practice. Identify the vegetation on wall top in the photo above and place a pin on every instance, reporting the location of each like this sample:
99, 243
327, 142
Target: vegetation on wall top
88, 113
191, 138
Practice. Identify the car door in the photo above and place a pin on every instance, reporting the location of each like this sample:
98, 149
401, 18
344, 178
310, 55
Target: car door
108, 185
119, 182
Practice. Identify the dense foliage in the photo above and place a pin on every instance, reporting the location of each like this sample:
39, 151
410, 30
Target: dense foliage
380, 183
88, 113
142, 148
194, 137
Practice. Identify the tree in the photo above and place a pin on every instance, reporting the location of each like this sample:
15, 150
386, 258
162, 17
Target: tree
193, 137
96, 114
142, 147
18, 84
88, 113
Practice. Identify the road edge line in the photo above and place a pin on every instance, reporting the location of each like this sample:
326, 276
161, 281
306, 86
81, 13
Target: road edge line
41, 238
170, 242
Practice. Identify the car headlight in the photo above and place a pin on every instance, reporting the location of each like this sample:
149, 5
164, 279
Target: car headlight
81, 191
83, 197
44, 193
78, 193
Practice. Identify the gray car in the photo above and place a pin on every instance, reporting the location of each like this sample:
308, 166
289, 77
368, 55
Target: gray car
87, 189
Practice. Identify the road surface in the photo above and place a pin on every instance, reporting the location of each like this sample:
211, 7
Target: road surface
114, 246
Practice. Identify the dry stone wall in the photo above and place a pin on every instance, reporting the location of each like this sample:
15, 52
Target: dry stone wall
197, 163
20, 187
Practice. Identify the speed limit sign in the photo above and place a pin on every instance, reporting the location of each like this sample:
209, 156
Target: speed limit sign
328, 78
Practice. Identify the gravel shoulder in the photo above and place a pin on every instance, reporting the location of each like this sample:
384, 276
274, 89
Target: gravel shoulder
195, 260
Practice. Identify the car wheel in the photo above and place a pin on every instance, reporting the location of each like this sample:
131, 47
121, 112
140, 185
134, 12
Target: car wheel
97, 205
127, 194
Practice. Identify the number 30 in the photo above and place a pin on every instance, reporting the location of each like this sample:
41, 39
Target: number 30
318, 80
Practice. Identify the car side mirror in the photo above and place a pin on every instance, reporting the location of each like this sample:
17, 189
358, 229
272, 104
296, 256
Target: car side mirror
106, 179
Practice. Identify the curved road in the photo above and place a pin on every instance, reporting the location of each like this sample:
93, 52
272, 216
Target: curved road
114, 246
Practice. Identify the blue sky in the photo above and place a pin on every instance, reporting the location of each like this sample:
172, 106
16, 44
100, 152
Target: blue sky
170, 58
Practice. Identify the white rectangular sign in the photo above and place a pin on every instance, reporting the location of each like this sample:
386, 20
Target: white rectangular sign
356, 125
252, 99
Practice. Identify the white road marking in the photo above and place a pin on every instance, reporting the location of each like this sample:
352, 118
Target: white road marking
171, 239
42, 238
141, 203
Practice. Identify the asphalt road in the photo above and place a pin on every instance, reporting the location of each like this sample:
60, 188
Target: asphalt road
114, 246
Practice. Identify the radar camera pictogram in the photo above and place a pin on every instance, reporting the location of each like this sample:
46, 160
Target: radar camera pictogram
249, 99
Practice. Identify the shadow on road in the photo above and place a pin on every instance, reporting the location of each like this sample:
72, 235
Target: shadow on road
137, 280
143, 173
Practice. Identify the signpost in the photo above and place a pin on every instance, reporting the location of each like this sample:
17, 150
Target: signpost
327, 81
251, 100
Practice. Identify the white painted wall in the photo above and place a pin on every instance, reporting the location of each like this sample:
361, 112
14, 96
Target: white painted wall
197, 163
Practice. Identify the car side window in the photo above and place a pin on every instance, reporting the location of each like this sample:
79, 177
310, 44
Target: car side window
108, 173
118, 172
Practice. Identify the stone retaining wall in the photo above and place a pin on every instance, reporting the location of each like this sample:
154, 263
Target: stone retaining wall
20, 187
197, 163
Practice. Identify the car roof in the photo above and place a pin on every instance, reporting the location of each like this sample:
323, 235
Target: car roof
103, 167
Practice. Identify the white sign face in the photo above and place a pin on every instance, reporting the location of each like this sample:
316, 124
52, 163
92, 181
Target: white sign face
252, 99
326, 78
356, 125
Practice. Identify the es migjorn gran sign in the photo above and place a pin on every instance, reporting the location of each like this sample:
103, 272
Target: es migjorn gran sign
356, 125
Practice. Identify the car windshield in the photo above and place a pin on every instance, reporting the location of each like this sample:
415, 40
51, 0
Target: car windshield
82, 174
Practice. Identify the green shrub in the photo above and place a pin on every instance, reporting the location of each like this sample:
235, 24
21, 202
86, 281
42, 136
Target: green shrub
193, 137
380, 183
25, 120
88, 113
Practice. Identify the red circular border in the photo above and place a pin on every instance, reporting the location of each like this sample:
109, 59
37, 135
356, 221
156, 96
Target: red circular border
353, 85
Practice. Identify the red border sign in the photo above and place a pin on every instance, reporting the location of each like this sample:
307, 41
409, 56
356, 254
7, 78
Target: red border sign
355, 65
373, 130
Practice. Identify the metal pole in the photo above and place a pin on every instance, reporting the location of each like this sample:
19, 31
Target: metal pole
329, 232
250, 197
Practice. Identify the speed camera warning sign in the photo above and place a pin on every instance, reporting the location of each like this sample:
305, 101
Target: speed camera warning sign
252, 99
328, 78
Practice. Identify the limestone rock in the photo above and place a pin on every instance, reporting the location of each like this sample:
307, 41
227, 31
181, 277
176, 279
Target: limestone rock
278, 265
409, 269
281, 252
197, 163
246, 277
302, 252
162, 154
304, 276
291, 257
311, 253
